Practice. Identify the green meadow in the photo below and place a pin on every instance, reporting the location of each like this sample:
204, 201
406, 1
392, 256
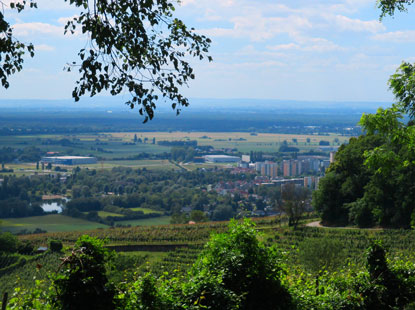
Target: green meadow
50, 223
62, 223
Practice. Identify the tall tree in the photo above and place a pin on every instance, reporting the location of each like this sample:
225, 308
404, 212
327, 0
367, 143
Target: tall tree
294, 199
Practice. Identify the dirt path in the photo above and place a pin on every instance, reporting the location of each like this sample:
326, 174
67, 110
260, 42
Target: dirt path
318, 224
314, 224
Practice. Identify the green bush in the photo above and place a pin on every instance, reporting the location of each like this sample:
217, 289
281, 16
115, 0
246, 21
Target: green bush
82, 283
55, 245
244, 267
8, 243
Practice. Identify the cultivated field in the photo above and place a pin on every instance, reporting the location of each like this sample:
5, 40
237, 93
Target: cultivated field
50, 223
109, 148
114, 145
61, 223
243, 141
161, 220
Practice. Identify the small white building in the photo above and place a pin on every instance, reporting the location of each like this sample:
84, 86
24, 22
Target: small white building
246, 158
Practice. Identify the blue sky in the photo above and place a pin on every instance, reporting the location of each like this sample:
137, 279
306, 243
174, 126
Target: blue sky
332, 50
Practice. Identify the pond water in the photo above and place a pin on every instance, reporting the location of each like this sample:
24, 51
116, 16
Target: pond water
51, 206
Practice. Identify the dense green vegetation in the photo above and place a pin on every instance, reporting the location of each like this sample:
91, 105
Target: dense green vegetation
371, 181
114, 196
142, 189
27, 154
251, 273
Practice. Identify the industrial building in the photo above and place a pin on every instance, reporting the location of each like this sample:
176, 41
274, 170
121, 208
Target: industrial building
222, 159
69, 160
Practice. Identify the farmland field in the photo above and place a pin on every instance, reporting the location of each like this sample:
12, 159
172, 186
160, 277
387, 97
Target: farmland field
115, 145
104, 214
50, 223
243, 141
162, 220
62, 223
177, 246
118, 149
148, 164
146, 211
30, 168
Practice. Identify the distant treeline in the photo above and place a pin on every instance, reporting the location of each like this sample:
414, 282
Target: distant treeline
71, 123
19, 196
192, 143
26, 154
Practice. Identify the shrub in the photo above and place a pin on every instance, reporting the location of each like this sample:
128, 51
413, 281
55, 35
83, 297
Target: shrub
55, 245
82, 284
243, 268
8, 243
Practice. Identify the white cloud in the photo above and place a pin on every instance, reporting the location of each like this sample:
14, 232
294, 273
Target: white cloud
187, 2
348, 24
304, 44
30, 29
359, 62
210, 15
252, 66
259, 28
322, 46
289, 46
44, 48
37, 28
65, 20
407, 36
213, 3
251, 52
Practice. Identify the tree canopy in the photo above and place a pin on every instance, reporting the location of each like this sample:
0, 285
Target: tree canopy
371, 181
388, 7
133, 46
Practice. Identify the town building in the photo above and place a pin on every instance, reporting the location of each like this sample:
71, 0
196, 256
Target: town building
243, 164
309, 182
286, 168
281, 182
267, 168
246, 158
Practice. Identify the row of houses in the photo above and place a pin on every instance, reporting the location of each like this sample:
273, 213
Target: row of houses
243, 187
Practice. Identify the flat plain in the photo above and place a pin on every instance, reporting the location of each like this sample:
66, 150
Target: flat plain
118, 149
